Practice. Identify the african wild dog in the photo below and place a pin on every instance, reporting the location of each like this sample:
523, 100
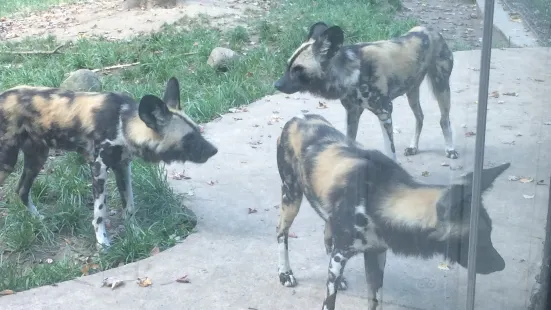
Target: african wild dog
370, 75
106, 128
371, 204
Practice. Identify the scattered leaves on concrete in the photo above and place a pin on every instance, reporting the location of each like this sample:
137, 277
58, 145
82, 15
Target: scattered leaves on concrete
183, 279
425, 173
144, 282
6, 292
292, 235
513, 178
444, 164
515, 17
322, 105
112, 282
526, 180
547, 123
211, 182
443, 266
179, 175
528, 196
237, 118
252, 210
514, 94
494, 94
470, 134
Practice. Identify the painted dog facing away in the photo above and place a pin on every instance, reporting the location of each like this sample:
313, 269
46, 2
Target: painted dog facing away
370, 75
106, 128
371, 204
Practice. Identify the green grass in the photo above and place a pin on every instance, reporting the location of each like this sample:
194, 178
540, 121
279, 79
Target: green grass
62, 192
8, 7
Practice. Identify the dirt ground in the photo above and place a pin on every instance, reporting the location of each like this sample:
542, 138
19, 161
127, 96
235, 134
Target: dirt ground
460, 20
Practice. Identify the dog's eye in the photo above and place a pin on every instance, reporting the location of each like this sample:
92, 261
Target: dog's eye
297, 70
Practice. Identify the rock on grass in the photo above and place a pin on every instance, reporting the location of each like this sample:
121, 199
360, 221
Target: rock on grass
220, 58
82, 80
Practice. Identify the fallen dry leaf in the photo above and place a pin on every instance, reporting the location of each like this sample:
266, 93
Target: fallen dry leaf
540, 182
526, 180
155, 251
6, 292
179, 175
252, 210
495, 94
513, 178
292, 235
304, 111
86, 268
528, 196
515, 94
322, 105
515, 17
500, 102
144, 282
547, 123
183, 279
443, 266
470, 134
212, 182
444, 164
113, 283
237, 119
425, 173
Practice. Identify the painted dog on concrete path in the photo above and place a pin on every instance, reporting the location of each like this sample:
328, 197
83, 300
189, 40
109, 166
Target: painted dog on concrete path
371, 204
106, 128
370, 75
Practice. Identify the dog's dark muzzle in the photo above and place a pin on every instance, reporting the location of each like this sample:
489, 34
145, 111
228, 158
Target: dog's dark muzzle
286, 85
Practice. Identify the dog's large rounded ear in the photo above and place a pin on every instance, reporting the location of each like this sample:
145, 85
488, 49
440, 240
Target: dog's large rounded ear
316, 30
172, 94
153, 112
328, 43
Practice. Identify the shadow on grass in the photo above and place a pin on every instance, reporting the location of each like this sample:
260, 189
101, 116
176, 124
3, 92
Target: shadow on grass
63, 191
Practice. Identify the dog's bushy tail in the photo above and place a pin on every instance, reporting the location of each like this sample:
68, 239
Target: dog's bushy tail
441, 66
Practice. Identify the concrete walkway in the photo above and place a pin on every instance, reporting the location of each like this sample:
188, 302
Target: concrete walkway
232, 259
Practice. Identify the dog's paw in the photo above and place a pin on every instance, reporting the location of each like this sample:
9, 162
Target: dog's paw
342, 285
452, 154
287, 279
410, 151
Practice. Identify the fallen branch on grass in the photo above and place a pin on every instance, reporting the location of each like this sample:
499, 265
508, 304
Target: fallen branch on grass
116, 67
54, 51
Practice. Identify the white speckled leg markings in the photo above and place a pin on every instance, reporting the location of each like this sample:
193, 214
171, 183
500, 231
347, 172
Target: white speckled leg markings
291, 198
337, 263
374, 263
99, 175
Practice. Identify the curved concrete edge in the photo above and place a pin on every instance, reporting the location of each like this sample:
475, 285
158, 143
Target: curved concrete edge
231, 259
519, 34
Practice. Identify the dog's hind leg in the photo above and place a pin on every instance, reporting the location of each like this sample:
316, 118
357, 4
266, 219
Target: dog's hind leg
353, 113
415, 105
99, 177
374, 264
439, 77
35, 155
338, 259
291, 198
123, 178
328, 240
8, 160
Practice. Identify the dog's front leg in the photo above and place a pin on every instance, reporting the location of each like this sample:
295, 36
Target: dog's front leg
385, 120
99, 177
353, 113
374, 264
123, 177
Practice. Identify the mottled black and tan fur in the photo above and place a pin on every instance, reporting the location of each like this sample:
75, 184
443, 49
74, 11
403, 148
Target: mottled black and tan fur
371, 75
371, 204
106, 128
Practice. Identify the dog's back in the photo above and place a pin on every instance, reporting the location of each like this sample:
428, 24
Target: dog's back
59, 118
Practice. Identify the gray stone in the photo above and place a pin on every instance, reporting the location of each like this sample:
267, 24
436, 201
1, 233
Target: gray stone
82, 80
220, 58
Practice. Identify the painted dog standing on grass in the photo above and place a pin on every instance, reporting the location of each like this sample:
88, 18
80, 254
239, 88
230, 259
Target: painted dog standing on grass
371, 75
107, 128
370, 204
